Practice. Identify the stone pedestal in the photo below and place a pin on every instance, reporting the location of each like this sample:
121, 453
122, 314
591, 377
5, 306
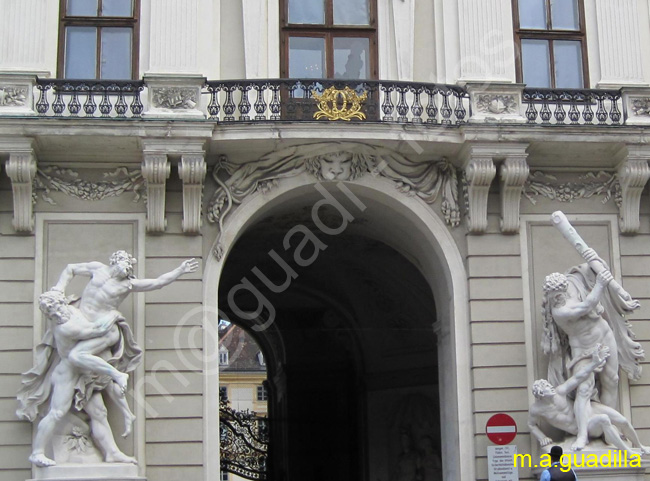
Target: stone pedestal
496, 102
636, 101
610, 474
17, 93
177, 97
89, 472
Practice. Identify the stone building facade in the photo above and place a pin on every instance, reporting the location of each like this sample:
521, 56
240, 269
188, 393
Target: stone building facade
387, 243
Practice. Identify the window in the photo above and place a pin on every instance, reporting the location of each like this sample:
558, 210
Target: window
224, 475
262, 393
260, 358
329, 39
551, 44
223, 393
223, 356
98, 39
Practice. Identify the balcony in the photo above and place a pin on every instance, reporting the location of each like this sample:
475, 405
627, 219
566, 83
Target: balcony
294, 100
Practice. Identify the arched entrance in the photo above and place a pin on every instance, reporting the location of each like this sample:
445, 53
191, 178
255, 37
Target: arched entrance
364, 278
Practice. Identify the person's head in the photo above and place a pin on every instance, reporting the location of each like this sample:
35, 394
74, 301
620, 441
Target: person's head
121, 263
556, 454
555, 287
55, 306
542, 388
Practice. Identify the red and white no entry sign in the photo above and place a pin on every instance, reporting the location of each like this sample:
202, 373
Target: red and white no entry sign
501, 429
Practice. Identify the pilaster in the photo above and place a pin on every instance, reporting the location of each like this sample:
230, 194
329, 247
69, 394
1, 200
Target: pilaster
619, 43
404, 25
486, 47
192, 170
255, 38
174, 36
633, 174
156, 170
513, 175
480, 172
28, 29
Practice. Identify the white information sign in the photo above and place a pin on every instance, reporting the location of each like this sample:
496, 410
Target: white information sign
501, 463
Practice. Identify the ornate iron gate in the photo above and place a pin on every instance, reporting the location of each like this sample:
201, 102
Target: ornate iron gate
244, 442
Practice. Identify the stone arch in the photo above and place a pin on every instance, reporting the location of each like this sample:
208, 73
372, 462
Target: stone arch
429, 245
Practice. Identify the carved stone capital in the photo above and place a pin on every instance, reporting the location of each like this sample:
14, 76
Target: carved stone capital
155, 170
513, 175
192, 170
480, 172
633, 174
21, 169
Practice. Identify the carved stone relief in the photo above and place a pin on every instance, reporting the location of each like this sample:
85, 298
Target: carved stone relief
640, 106
12, 96
593, 183
498, 104
68, 181
334, 161
174, 98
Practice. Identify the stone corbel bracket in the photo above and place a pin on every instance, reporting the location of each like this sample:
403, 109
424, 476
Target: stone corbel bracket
633, 174
480, 172
512, 175
191, 170
155, 170
21, 169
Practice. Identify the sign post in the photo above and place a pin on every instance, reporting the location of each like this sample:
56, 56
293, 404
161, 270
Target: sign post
501, 429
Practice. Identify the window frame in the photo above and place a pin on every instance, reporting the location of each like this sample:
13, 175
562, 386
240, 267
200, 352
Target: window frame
262, 393
224, 356
329, 31
550, 35
99, 22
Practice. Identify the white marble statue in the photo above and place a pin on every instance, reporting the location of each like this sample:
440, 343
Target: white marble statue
553, 405
86, 351
585, 308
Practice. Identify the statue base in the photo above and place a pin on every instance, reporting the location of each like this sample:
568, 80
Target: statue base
611, 474
88, 472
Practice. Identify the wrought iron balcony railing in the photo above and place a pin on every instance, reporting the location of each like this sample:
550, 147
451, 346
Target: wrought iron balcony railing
300, 100
308, 100
573, 107
89, 98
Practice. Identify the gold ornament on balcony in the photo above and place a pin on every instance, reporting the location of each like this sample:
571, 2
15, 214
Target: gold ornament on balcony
337, 104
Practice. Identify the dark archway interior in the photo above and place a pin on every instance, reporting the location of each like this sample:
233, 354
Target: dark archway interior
351, 351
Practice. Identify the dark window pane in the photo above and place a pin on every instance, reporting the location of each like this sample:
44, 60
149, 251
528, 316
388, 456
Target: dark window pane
117, 8
80, 52
82, 8
564, 15
116, 53
536, 63
307, 11
351, 58
306, 57
568, 64
532, 14
351, 12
